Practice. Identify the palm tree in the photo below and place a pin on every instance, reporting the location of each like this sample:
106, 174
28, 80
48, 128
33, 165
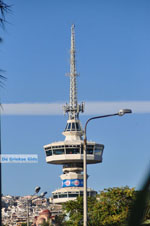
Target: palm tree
4, 8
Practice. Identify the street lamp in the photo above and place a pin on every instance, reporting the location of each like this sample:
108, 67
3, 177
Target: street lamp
37, 189
43, 194
120, 113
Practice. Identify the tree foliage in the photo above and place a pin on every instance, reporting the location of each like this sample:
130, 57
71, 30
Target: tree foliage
109, 208
4, 8
74, 210
112, 206
60, 220
45, 224
140, 211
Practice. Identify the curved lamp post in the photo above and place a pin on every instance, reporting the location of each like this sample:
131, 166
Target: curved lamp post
120, 113
37, 189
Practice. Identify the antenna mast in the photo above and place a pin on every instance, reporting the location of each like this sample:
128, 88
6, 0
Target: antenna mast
73, 108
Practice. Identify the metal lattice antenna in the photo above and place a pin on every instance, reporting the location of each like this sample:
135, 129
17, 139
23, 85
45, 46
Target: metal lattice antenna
73, 108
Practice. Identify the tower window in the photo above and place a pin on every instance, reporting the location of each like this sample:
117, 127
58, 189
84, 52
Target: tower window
49, 153
89, 151
63, 195
78, 126
58, 151
73, 126
99, 149
73, 195
69, 126
72, 151
98, 152
55, 196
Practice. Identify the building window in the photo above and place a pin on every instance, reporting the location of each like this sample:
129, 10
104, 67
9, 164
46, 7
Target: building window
73, 126
58, 151
98, 152
68, 126
55, 196
62, 195
72, 151
72, 195
99, 149
89, 151
49, 153
47, 148
78, 126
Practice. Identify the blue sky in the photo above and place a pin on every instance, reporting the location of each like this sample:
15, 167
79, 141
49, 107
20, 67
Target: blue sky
113, 60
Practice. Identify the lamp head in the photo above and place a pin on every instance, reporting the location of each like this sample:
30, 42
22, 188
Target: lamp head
124, 111
37, 189
43, 194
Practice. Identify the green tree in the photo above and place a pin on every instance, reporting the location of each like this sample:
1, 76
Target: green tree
140, 210
46, 224
74, 211
109, 208
112, 206
60, 220
4, 8
25, 224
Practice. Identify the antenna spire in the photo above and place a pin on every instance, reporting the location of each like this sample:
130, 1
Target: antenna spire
73, 108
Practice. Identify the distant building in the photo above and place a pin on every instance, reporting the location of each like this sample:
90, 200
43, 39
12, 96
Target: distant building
44, 216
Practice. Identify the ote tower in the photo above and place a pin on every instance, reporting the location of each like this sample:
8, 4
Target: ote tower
69, 152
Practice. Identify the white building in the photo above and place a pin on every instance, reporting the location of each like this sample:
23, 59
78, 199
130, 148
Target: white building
69, 152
